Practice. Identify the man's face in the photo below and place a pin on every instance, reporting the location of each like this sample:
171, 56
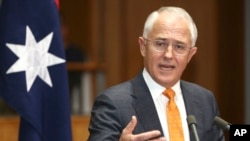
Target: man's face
166, 67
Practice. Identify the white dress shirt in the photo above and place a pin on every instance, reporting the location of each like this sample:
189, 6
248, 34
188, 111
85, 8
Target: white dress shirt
161, 101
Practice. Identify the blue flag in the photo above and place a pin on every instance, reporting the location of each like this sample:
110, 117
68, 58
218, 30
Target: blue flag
33, 75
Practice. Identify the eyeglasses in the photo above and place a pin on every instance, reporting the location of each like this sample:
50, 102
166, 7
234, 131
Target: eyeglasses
162, 45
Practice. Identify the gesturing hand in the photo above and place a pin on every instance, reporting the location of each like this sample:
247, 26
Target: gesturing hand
127, 133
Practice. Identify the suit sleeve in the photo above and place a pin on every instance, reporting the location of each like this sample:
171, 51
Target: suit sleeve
104, 124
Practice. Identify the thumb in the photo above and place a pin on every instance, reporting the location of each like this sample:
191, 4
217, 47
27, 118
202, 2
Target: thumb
131, 125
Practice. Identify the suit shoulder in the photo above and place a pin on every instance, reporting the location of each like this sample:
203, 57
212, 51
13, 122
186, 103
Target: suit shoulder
118, 89
190, 86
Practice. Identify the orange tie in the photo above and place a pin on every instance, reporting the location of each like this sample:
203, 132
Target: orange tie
173, 116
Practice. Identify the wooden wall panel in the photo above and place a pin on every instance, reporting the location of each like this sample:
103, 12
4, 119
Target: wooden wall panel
80, 128
112, 41
77, 17
9, 128
231, 60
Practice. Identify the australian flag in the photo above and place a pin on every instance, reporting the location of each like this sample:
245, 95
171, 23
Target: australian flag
33, 75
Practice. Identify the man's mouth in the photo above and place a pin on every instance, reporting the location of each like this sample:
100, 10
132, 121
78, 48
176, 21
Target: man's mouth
166, 67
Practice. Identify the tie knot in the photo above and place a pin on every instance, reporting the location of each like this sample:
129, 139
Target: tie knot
169, 93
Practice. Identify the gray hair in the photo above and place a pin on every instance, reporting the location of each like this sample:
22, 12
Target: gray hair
173, 10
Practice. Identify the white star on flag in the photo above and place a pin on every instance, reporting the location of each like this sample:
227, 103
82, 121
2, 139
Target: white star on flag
34, 58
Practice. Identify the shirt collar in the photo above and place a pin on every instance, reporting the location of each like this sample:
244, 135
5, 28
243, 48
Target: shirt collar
156, 89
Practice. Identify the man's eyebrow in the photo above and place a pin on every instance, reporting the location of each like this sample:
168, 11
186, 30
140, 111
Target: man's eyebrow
162, 39
180, 42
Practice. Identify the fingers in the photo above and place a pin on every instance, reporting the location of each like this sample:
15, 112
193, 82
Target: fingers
158, 139
150, 135
131, 125
128, 130
127, 133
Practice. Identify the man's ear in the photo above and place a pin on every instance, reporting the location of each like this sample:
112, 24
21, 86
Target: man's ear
192, 52
142, 45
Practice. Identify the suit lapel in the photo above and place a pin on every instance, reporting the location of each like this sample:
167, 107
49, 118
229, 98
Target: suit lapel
191, 103
190, 100
144, 105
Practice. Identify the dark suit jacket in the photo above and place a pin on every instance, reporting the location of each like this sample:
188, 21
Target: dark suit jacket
113, 108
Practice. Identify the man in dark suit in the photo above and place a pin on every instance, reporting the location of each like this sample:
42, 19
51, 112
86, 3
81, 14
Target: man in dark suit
136, 110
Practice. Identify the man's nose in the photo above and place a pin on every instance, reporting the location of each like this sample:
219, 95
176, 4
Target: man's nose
169, 51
